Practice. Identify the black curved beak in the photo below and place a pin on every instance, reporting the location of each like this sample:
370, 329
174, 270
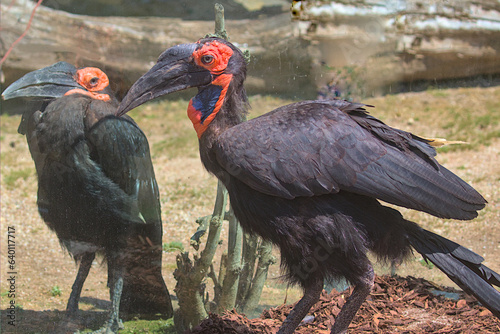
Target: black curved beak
174, 71
49, 82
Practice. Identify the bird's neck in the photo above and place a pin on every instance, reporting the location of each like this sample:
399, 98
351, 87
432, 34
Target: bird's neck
208, 102
232, 112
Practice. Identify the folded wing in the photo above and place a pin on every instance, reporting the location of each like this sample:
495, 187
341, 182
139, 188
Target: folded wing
314, 148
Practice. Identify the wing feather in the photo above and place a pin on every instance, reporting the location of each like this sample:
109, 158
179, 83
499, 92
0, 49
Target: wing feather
314, 148
121, 149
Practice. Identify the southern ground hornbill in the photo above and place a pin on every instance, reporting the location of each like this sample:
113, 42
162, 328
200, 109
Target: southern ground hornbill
307, 176
96, 185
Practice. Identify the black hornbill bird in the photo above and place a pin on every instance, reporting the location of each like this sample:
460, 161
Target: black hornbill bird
308, 177
96, 185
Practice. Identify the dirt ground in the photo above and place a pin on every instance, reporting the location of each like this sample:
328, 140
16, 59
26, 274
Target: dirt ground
44, 272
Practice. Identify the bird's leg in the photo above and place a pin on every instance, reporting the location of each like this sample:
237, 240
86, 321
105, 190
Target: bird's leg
114, 318
114, 323
358, 296
311, 296
76, 289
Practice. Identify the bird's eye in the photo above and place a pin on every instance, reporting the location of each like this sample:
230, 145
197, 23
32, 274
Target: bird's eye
94, 81
207, 59
92, 78
213, 56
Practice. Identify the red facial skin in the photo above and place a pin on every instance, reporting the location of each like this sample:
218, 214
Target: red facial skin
214, 57
94, 80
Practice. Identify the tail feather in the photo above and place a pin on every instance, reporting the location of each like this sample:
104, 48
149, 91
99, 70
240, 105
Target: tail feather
461, 265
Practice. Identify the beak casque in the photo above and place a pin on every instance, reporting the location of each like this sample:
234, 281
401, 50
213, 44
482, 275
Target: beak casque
174, 71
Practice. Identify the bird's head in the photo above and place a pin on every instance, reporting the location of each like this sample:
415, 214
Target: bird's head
213, 65
58, 80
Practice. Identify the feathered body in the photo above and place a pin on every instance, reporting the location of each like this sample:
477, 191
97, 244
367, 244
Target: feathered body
96, 188
309, 176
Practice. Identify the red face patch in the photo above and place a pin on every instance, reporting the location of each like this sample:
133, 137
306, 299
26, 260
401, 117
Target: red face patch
95, 96
196, 116
213, 56
94, 80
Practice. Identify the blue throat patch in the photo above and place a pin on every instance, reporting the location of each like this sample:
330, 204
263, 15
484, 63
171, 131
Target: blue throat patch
205, 100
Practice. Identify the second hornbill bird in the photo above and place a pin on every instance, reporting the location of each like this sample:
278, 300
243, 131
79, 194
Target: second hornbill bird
96, 185
308, 177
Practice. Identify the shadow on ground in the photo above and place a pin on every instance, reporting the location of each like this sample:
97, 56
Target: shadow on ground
92, 318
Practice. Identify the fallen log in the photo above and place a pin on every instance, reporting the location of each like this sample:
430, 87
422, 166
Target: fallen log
365, 47
126, 47
386, 42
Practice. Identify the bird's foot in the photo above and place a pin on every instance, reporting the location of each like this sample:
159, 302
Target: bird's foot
111, 327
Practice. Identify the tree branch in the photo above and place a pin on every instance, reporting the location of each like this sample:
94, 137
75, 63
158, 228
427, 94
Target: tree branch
265, 260
233, 265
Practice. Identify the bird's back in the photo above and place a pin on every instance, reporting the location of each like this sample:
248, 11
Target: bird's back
315, 148
75, 197
98, 192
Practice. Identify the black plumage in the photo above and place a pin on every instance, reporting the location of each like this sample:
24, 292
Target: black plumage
96, 185
309, 176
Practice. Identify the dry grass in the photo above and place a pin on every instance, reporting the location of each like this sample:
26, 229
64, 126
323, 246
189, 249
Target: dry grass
188, 192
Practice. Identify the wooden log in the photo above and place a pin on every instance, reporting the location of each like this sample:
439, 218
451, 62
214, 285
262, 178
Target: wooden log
127, 47
391, 42
372, 46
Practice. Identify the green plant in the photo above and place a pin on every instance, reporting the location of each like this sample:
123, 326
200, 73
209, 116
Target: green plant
149, 326
426, 264
172, 246
55, 291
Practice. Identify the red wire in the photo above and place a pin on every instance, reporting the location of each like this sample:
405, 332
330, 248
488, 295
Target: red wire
11, 4
22, 35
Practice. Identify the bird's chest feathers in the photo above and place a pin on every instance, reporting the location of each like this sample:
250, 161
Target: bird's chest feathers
206, 104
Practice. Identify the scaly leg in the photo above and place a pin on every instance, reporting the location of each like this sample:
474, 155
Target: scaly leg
76, 290
311, 295
113, 324
358, 296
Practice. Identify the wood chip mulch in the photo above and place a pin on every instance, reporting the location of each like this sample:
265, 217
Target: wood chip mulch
396, 305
